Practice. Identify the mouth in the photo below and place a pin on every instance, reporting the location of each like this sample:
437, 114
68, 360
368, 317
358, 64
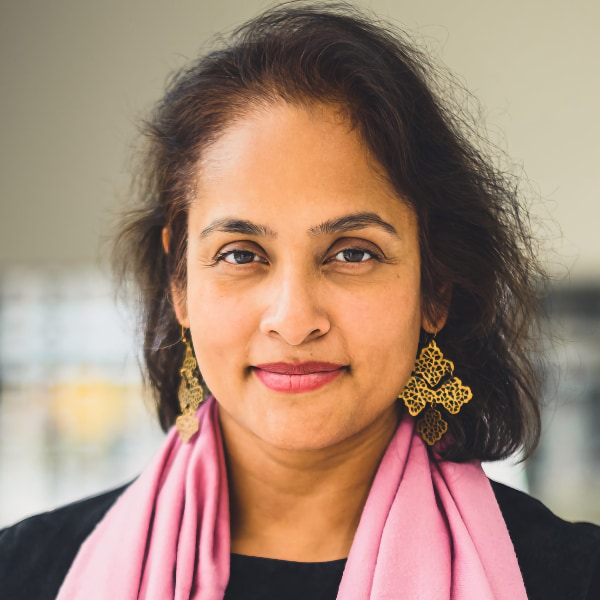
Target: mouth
295, 378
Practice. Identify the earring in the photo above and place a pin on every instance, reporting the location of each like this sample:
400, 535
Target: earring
190, 394
424, 388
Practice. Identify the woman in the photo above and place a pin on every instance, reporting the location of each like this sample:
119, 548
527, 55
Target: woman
322, 247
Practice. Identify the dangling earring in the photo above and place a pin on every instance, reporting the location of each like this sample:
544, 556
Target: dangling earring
190, 394
423, 388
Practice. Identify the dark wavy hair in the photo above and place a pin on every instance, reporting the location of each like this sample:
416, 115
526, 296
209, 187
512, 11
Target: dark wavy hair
474, 235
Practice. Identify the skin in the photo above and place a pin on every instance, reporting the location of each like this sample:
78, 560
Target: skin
295, 283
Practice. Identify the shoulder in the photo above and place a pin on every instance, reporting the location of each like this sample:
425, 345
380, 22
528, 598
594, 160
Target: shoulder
36, 553
558, 559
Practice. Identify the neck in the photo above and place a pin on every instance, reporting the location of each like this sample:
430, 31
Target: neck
300, 505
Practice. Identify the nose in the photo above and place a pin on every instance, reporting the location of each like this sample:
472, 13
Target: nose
293, 310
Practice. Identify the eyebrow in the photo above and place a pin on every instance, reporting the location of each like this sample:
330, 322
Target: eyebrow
229, 225
352, 223
343, 224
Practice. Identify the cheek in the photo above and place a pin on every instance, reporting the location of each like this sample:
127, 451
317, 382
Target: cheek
392, 314
221, 327
383, 335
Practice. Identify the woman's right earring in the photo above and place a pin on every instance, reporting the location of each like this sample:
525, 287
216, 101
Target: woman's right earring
190, 394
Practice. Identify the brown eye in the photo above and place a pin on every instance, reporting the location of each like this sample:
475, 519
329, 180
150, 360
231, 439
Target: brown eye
353, 255
239, 257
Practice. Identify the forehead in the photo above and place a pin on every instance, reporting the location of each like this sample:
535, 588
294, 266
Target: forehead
284, 160
289, 141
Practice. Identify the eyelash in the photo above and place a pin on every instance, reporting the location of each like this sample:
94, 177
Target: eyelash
222, 256
372, 255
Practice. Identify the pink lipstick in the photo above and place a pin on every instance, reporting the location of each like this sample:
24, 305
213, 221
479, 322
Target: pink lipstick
295, 378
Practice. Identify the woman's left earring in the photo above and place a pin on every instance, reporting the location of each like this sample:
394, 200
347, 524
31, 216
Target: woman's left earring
432, 384
190, 394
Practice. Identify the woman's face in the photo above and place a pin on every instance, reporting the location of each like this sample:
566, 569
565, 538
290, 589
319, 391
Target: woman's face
303, 290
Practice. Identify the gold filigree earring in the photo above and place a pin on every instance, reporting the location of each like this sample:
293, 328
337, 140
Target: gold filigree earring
433, 382
190, 394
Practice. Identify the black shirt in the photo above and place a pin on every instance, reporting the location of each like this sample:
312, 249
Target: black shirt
558, 560
269, 579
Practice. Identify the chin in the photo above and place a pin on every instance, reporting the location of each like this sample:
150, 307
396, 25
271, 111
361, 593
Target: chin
302, 445
304, 440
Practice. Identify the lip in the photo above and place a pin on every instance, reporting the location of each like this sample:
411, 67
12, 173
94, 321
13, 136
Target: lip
295, 378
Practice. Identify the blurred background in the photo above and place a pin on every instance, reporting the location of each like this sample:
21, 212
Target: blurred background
78, 75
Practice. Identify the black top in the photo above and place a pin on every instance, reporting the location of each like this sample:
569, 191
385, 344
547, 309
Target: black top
559, 560
270, 579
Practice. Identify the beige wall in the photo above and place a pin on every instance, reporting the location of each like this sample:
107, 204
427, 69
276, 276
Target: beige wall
75, 76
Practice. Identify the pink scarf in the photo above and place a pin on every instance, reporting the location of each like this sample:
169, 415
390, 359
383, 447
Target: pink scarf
430, 531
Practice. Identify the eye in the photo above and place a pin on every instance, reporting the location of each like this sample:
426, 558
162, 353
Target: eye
239, 257
353, 255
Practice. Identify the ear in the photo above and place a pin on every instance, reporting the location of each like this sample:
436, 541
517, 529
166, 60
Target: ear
178, 295
436, 324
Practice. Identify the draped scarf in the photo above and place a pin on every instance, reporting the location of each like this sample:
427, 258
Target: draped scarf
430, 530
